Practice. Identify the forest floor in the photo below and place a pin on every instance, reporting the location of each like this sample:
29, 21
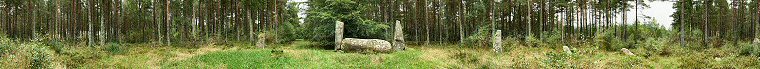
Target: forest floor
300, 54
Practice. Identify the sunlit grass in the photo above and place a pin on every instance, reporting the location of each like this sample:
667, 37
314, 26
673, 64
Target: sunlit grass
301, 54
303, 58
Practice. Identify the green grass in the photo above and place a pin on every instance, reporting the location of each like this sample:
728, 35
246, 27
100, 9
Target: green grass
264, 58
302, 54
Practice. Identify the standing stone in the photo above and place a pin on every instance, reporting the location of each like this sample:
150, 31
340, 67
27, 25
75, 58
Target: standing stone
497, 43
567, 50
398, 37
261, 42
756, 42
338, 34
627, 52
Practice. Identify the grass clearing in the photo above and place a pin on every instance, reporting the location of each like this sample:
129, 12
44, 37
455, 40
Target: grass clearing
299, 54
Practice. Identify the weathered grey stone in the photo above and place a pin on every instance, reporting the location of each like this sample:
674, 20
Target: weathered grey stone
398, 37
756, 42
567, 50
364, 45
338, 34
627, 52
497, 42
261, 42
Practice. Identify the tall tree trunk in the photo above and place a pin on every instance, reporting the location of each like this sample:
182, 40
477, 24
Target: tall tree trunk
251, 32
34, 20
530, 9
58, 19
636, 22
706, 17
101, 32
195, 19
625, 21
427, 21
681, 20
90, 40
155, 21
168, 23
460, 14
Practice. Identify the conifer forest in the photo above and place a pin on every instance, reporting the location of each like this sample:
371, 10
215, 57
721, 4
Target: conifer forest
380, 34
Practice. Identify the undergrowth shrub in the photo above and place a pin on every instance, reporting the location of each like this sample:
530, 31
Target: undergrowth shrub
56, 45
559, 60
647, 30
695, 61
533, 41
466, 57
509, 43
138, 36
481, 38
747, 48
630, 62
320, 25
734, 62
40, 59
81, 56
115, 48
268, 37
653, 46
4, 49
608, 41
548, 39
693, 40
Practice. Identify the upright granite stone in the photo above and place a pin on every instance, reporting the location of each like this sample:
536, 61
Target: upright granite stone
261, 42
338, 34
627, 52
365, 45
756, 42
497, 42
398, 37
567, 50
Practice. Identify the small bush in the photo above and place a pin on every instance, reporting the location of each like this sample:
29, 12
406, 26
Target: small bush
40, 58
693, 40
269, 37
696, 61
56, 45
631, 62
559, 60
466, 57
510, 43
747, 48
653, 46
115, 48
532, 41
481, 38
4, 49
80, 56
138, 36
553, 39
609, 42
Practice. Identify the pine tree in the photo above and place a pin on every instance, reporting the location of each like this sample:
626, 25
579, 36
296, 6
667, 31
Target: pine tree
168, 23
